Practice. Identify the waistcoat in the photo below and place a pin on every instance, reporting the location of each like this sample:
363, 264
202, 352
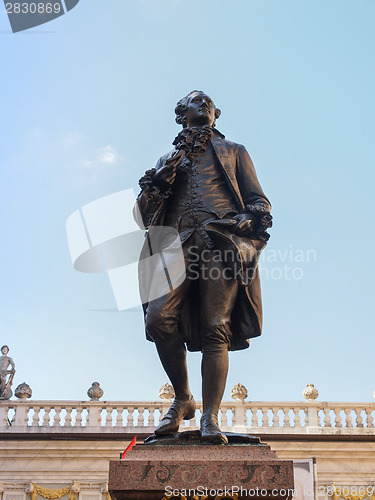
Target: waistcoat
200, 194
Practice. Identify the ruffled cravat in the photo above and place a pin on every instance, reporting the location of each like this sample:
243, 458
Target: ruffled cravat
193, 141
190, 143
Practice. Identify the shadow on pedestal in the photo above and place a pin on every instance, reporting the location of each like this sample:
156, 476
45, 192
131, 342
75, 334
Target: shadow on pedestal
194, 437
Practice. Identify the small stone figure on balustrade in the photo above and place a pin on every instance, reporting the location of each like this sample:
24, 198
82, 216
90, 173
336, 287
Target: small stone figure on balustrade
6, 373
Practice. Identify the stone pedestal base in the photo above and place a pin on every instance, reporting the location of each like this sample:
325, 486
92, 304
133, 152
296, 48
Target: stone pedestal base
152, 472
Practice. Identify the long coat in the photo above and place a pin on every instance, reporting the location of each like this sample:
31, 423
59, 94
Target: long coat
239, 173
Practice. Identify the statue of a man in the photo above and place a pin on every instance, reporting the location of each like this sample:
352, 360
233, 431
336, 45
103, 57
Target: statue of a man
6, 382
206, 189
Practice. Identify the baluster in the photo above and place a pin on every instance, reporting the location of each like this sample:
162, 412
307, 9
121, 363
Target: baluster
359, 419
233, 416
108, 418
286, 417
160, 416
224, 418
369, 418
327, 418
45, 422
348, 418
68, 417
297, 417
79, 416
131, 416
35, 421
141, 418
275, 418
119, 422
56, 418
254, 417
198, 415
264, 417
337, 417
151, 419
306, 416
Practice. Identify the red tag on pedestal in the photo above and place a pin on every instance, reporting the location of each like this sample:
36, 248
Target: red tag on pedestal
129, 447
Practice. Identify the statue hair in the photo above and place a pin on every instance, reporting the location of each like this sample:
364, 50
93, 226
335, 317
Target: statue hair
182, 105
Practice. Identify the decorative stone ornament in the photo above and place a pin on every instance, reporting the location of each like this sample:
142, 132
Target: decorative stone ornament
95, 392
76, 487
239, 392
23, 391
310, 392
29, 488
166, 391
104, 488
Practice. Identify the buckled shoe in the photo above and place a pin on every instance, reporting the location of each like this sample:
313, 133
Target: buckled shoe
179, 410
210, 431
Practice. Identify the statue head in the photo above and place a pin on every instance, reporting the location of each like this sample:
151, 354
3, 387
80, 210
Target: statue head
5, 350
196, 109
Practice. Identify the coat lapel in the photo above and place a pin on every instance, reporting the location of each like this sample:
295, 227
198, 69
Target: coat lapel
227, 160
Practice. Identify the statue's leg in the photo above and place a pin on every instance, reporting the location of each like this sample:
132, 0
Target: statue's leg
172, 354
218, 294
162, 321
214, 377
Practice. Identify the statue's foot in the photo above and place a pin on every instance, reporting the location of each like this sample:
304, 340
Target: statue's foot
179, 410
210, 431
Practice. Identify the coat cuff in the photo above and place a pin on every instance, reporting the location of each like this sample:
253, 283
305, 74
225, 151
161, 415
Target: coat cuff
263, 220
150, 189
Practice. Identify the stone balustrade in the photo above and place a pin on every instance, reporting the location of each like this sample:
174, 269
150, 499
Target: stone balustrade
119, 417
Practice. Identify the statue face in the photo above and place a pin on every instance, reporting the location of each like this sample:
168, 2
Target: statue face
5, 350
200, 110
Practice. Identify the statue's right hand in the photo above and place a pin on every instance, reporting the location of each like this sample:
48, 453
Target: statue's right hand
164, 176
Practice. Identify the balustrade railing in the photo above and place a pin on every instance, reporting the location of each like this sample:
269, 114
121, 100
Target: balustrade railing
39, 417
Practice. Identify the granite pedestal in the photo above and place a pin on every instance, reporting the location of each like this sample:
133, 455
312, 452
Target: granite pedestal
152, 472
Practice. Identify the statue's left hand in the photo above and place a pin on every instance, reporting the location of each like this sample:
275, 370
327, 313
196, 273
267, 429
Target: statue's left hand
245, 225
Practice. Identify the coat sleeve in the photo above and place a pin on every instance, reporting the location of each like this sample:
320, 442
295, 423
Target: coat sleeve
257, 205
251, 191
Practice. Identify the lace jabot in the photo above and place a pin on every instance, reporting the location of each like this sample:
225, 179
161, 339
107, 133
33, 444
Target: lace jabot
193, 141
190, 143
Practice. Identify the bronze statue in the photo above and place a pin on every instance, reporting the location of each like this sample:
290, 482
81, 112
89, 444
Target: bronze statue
206, 188
6, 374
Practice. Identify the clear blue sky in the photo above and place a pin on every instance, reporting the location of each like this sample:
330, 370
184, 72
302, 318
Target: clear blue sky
87, 107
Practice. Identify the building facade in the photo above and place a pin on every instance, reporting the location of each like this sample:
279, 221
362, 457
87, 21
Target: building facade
62, 449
